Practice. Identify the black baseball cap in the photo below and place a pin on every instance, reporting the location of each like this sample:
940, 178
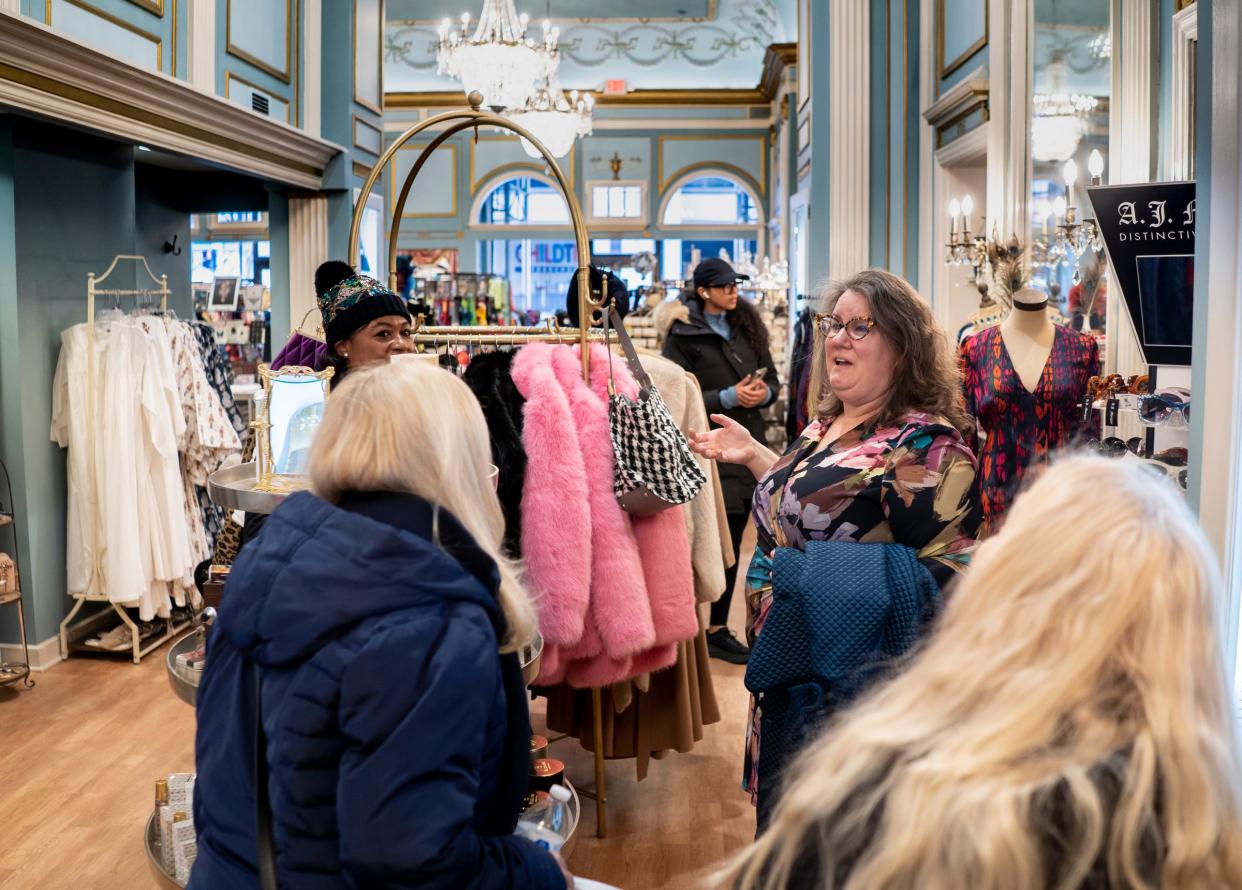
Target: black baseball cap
715, 272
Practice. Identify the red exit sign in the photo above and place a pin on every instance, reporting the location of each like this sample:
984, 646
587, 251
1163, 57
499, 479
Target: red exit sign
615, 87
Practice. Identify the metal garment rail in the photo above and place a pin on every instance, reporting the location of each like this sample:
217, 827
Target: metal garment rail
589, 303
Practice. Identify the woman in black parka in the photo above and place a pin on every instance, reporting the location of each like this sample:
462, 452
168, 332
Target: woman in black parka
722, 341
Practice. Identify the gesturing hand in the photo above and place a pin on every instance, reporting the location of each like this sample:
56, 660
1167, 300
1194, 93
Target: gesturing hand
730, 442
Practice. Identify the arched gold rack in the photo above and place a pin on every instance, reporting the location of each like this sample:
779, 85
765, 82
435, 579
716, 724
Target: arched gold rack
589, 303
464, 119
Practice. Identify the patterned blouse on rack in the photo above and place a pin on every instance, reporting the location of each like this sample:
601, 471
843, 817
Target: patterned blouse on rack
1022, 426
911, 483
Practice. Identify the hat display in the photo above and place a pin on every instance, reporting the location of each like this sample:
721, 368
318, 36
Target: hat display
354, 302
716, 272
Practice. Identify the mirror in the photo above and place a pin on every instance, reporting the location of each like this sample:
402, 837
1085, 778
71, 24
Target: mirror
1071, 92
292, 410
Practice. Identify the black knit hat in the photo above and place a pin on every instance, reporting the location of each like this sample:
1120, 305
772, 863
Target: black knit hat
354, 302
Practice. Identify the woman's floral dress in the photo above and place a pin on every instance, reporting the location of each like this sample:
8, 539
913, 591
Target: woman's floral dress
909, 483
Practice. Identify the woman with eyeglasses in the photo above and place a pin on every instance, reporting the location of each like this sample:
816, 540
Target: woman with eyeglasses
722, 341
884, 462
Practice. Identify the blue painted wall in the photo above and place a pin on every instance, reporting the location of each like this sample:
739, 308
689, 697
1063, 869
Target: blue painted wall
245, 14
95, 22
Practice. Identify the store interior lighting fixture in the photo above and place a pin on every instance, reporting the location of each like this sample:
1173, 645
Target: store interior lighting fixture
497, 59
553, 118
1060, 117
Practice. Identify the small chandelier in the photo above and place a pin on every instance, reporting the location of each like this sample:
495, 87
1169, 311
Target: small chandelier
498, 59
554, 119
1059, 117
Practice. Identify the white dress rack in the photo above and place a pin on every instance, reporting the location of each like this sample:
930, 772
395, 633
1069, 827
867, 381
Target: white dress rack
70, 632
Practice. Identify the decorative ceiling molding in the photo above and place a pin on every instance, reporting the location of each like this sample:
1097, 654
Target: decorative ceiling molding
778, 57
713, 10
53, 76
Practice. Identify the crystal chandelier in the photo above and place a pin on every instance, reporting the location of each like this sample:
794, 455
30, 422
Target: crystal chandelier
554, 119
498, 59
1059, 121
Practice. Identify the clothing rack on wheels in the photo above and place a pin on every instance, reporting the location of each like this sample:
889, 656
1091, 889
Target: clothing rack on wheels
94, 589
589, 304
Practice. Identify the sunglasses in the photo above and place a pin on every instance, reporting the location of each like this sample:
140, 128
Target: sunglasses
856, 328
1180, 476
1168, 407
1115, 447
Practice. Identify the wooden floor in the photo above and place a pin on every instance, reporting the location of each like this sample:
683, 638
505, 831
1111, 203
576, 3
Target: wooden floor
80, 752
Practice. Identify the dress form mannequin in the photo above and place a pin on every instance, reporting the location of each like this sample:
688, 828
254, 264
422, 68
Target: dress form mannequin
1023, 381
1028, 334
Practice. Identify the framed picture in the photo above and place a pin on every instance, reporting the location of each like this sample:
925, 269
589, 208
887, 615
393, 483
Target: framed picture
252, 297
200, 293
370, 238
223, 296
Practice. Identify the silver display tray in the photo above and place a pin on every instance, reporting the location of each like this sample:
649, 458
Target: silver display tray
233, 489
530, 658
184, 682
151, 841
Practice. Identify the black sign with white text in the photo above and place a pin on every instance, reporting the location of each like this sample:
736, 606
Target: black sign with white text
1149, 233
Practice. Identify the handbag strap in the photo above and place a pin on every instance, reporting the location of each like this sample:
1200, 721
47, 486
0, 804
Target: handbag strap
264, 840
631, 355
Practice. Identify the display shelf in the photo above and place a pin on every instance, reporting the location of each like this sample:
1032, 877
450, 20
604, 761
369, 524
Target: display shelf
184, 682
233, 488
531, 657
151, 841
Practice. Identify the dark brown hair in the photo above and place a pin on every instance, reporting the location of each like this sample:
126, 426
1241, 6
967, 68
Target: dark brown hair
927, 377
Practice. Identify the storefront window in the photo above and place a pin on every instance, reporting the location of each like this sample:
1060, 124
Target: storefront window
524, 201
538, 270
711, 201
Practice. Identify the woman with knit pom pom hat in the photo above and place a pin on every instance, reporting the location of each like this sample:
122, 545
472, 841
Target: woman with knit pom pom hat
364, 323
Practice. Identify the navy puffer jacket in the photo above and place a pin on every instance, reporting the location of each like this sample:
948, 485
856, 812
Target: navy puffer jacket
383, 704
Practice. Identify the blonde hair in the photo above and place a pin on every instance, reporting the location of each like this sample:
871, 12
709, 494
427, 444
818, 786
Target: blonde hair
1081, 642
927, 377
412, 427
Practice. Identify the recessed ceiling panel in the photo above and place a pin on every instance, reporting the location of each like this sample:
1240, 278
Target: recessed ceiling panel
576, 10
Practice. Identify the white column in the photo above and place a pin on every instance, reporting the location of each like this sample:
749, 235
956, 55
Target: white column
1218, 319
849, 211
308, 247
202, 44
11, 6
1131, 129
1009, 126
312, 49
1185, 34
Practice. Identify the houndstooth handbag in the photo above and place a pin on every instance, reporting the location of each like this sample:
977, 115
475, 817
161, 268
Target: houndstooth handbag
654, 467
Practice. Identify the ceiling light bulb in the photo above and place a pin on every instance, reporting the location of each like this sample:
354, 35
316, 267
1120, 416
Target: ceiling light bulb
955, 208
968, 206
1059, 206
1095, 163
1071, 172
1044, 209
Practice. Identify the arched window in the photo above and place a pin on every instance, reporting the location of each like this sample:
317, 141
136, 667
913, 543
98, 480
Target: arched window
711, 200
525, 200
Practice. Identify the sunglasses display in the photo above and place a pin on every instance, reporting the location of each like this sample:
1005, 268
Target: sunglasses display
1115, 447
1167, 407
1176, 474
1114, 384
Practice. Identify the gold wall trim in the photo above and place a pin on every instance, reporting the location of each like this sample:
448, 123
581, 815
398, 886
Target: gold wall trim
393, 184
153, 6
945, 68
172, 67
287, 74
379, 61
663, 180
229, 77
775, 60
143, 115
713, 10
119, 22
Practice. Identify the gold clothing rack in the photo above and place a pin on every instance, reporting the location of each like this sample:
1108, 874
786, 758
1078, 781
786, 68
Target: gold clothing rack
589, 303
69, 631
